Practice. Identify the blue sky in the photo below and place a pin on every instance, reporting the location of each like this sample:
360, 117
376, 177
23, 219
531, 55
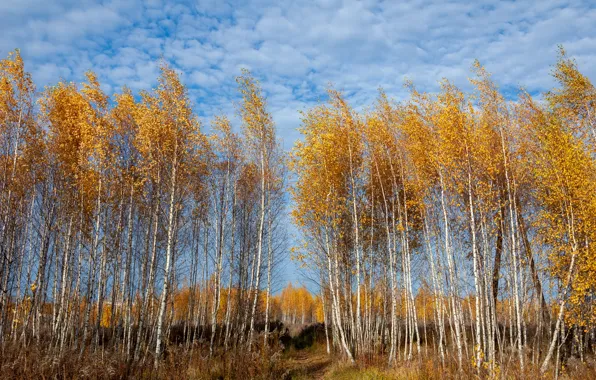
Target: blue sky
297, 47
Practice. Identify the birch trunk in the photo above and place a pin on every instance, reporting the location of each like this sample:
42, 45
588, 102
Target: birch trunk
169, 254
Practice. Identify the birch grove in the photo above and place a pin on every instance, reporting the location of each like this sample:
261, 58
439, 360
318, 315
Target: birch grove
125, 222
456, 225
477, 206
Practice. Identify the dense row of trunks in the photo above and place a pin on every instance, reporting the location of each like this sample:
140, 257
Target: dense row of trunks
109, 206
478, 199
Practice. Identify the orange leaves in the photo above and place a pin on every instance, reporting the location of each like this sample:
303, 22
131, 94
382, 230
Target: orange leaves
575, 100
80, 141
257, 123
169, 134
80, 133
558, 154
298, 305
70, 136
332, 142
226, 142
20, 136
122, 116
470, 154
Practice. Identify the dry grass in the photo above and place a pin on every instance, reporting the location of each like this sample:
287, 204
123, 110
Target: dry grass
37, 363
293, 362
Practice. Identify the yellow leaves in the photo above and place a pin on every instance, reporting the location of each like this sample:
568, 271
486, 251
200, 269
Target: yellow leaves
225, 141
299, 255
92, 91
574, 101
332, 146
169, 134
20, 136
297, 302
257, 124
13, 74
560, 163
73, 132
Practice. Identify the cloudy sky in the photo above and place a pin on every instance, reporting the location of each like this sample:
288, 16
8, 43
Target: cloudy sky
296, 48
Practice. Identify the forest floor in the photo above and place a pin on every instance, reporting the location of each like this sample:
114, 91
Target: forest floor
300, 353
306, 364
315, 363
305, 357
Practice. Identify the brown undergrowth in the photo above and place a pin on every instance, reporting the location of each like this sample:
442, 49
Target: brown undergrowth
301, 355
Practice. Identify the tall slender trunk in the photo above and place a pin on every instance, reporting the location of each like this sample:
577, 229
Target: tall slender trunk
169, 253
148, 282
231, 274
63, 281
259, 251
218, 260
333, 278
269, 265
512, 222
545, 313
476, 264
562, 303
91, 279
126, 298
452, 277
358, 330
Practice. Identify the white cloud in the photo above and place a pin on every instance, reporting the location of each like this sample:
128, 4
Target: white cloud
297, 47
50, 72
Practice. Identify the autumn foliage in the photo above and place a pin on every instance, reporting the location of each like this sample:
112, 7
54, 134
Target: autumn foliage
451, 232
481, 206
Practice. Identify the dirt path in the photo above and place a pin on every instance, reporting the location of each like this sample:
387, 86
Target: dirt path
303, 365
